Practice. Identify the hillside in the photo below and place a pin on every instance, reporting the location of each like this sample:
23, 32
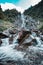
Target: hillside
7, 18
35, 11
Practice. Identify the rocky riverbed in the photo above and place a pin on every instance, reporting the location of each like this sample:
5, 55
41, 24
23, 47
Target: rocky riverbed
22, 46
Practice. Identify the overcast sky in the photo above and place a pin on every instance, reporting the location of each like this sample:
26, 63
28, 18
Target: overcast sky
20, 5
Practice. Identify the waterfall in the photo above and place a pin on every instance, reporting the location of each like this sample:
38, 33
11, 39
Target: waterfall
12, 52
23, 21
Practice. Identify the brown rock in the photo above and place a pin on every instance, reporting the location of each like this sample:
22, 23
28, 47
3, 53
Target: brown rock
22, 35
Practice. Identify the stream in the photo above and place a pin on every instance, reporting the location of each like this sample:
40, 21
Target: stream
33, 55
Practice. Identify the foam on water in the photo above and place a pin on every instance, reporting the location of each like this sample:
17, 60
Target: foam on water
8, 52
5, 41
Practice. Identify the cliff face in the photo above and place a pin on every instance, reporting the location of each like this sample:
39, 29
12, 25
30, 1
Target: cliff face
35, 11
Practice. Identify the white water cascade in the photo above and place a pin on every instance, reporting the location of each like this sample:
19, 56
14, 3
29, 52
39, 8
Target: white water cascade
23, 21
8, 51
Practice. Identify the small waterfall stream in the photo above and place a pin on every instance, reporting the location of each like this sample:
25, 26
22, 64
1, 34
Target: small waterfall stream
23, 21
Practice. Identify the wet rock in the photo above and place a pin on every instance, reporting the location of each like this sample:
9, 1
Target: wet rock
3, 35
12, 31
29, 43
1, 64
11, 39
22, 35
0, 42
41, 31
10, 63
37, 32
41, 36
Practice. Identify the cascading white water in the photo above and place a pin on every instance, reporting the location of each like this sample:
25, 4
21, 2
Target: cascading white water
38, 40
7, 51
23, 21
5, 42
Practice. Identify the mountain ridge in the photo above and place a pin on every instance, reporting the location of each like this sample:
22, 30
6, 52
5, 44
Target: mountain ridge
35, 11
7, 18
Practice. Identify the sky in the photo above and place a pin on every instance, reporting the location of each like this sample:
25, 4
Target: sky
20, 5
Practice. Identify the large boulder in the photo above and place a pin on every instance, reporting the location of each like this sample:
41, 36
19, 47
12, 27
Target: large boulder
22, 35
3, 35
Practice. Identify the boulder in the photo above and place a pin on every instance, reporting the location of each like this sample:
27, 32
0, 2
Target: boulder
3, 35
13, 31
29, 42
22, 35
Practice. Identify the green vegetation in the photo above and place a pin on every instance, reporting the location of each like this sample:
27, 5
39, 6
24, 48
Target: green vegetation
5, 25
11, 14
41, 28
7, 18
36, 11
